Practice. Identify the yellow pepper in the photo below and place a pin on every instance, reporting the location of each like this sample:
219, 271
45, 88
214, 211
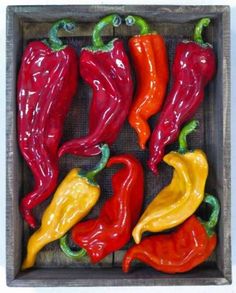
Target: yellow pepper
180, 199
72, 201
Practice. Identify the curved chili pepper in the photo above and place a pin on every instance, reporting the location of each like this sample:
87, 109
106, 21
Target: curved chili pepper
107, 70
112, 229
180, 251
149, 55
180, 199
72, 201
194, 66
47, 81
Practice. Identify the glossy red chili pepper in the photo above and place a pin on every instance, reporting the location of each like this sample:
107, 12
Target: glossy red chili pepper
47, 81
180, 251
112, 229
194, 66
107, 70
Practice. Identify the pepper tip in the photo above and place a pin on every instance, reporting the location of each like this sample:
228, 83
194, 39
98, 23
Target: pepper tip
137, 234
26, 265
27, 216
152, 166
23, 267
142, 144
126, 263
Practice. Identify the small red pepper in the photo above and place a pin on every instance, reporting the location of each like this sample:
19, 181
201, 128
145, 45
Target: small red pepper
180, 251
194, 66
113, 228
149, 54
47, 81
107, 70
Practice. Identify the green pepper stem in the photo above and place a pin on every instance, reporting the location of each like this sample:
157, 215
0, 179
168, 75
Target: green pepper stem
130, 20
55, 43
67, 250
197, 36
113, 19
213, 219
186, 130
100, 165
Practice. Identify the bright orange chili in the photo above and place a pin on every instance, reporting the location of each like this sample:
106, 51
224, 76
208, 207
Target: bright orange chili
149, 54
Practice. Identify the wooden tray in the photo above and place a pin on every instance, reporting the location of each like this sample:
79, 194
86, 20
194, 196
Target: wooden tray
25, 23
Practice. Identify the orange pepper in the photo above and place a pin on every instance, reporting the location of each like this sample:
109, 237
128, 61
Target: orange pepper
149, 54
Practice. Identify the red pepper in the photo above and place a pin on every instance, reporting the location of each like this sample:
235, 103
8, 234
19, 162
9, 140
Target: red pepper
180, 251
107, 70
112, 229
194, 66
47, 81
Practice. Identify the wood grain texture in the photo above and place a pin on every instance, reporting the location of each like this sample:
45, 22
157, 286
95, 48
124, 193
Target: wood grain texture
115, 277
226, 168
32, 31
14, 163
174, 22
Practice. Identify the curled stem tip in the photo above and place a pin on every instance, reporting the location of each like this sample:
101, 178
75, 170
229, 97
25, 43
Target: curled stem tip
54, 41
67, 250
197, 36
112, 19
214, 216
186, 130
100, 165
131, 20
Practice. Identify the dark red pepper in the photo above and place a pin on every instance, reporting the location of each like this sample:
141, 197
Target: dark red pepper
47, 81
112, 229
107, 70
180, 251
194, 66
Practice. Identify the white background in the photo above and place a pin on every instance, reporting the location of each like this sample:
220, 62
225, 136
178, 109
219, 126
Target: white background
198, 289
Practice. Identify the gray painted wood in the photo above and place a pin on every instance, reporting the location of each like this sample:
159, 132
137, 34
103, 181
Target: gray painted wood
14, 164
115, 277
32, 31
224, 169
174, 22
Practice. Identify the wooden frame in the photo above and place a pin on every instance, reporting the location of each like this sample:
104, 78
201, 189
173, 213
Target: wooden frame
217, 148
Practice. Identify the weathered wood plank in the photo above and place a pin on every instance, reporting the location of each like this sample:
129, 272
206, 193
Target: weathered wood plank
115, 277
163, 13
226, 267
40, 30
14, 162
177, 30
